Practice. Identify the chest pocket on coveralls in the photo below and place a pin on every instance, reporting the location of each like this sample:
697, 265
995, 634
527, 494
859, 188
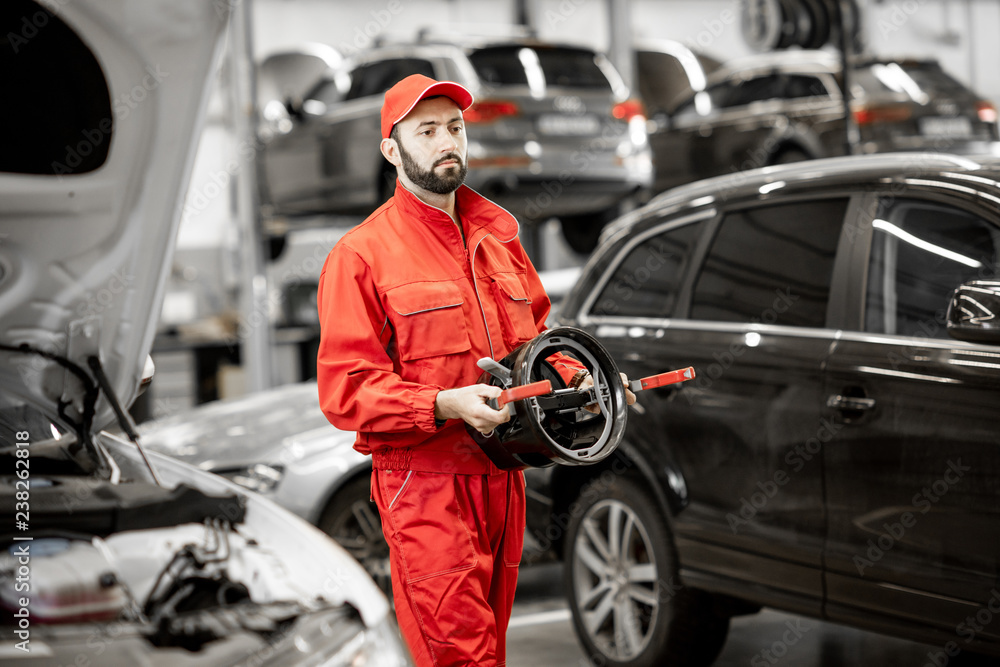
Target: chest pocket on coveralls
514, 309
429, 318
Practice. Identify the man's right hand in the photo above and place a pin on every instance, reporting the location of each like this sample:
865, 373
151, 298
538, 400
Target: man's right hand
469, 405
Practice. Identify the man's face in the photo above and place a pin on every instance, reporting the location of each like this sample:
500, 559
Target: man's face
432, 145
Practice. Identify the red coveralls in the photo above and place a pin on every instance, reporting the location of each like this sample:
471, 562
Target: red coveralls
406, 310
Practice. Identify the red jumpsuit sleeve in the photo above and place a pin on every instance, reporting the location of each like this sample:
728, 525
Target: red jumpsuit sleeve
359, 388
540, 307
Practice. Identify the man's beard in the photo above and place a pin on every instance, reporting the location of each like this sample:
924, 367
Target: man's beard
427, 179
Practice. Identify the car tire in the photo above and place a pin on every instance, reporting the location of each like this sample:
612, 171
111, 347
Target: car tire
788, 156
353, 521
632, 593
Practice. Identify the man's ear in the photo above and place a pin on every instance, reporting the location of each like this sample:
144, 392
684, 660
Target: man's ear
390, 150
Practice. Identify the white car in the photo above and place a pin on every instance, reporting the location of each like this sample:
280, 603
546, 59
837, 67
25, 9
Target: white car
109, 555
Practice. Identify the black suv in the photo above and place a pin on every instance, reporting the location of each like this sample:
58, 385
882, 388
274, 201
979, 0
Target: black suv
838, 454
776, 108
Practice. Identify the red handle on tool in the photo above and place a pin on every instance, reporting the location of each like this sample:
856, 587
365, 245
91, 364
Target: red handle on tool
670, 377
524, 391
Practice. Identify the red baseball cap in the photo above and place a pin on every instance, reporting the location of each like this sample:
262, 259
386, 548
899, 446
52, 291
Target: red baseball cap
401, 98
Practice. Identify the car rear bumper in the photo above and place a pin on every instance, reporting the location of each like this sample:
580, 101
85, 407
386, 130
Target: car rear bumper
569, 183
536, 198
955, 146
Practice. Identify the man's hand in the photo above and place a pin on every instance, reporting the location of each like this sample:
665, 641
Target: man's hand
594, 407
469, 405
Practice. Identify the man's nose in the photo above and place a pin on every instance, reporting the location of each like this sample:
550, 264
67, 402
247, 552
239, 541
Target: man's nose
448, 144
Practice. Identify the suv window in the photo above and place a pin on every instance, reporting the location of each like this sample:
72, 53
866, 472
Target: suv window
915, 79
57, 107
921, 251
378, 77
802, 85
508, 66
757, 89
647, 281
771, 264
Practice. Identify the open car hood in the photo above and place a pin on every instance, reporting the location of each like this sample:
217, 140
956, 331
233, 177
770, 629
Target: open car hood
113, 94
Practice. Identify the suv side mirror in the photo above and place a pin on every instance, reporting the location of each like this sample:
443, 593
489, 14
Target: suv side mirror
974, 312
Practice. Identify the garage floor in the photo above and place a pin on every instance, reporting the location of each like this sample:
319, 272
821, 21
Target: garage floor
542, 635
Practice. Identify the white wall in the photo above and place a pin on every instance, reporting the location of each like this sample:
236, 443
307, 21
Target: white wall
961, 34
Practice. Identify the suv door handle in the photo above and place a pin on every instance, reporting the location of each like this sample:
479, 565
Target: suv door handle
841, 402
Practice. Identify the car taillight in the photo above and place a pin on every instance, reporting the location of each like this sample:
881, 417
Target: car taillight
488, 111
869, 115
987, 111
628, 109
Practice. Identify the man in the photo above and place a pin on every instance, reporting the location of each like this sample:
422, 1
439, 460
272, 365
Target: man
409, 300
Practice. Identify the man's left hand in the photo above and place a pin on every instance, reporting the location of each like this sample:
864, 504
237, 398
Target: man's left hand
594, 407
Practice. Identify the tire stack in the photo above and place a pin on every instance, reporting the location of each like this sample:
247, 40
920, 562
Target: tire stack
773, 25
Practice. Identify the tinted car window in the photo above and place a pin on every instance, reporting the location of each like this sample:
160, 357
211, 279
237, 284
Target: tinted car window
506, 66
57, 107
719, 96
912, 79
376, 78
921, 251
647, 281
771, 264
758, 89
800, 85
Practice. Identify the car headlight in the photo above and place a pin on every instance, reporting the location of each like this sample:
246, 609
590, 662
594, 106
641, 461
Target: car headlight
259, 477
339, 639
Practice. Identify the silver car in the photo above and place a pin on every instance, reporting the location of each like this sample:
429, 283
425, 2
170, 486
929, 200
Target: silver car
553, 133
109, 555
279, 444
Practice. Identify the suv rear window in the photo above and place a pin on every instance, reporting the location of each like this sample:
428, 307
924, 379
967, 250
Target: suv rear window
378, 77
512, 66
771, 264
912, 79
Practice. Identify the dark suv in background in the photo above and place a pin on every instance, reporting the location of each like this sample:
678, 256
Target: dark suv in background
837, 454
553, 133
788, 106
